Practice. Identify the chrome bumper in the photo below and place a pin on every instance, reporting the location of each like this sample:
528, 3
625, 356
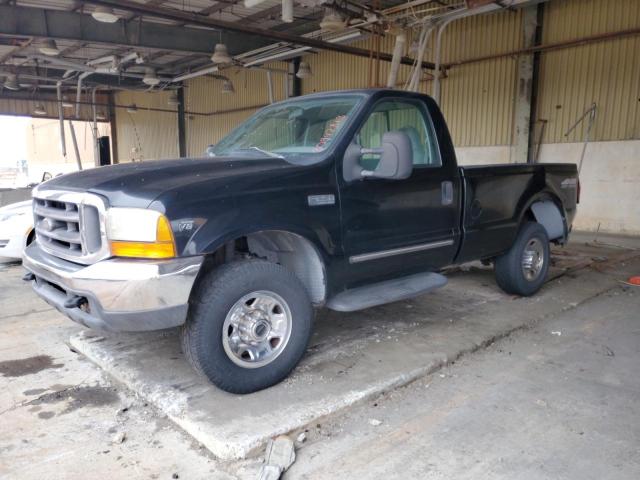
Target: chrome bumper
115, 294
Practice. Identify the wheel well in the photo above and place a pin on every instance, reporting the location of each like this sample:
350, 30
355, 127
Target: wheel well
290, 250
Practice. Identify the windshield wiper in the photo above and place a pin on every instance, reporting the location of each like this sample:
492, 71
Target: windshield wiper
265, 152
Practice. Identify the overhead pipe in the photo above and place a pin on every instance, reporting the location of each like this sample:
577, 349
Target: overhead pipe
63, 141
441, 28
287, 11
75, 144
486, 8
79, 92
425, 36
94, 128
270, 86
398, 50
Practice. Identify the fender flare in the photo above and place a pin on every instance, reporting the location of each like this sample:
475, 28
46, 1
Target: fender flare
547, 209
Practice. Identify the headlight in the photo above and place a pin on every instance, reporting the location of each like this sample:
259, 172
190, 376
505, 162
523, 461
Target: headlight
139, 233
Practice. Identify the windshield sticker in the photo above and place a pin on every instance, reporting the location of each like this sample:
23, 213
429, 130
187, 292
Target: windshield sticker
329, 131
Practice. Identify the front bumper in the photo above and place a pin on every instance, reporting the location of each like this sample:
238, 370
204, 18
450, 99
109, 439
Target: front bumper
118, 295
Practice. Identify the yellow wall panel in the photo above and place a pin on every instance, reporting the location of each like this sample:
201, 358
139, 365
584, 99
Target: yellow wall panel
146, 135
605, 73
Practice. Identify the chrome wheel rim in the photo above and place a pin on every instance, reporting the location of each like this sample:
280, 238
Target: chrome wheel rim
257, 329
533, 259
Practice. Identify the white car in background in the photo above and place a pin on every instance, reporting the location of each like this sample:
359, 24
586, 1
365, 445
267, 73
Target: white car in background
16, 230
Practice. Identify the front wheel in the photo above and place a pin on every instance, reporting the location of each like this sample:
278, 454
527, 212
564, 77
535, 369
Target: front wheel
523, 269
248, 326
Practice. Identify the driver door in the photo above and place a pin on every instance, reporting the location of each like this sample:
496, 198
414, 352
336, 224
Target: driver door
393, 227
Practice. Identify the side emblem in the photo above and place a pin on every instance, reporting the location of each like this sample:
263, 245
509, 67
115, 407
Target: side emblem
318, 200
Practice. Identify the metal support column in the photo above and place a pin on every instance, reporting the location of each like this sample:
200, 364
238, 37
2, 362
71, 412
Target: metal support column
182, 133
113, 128
296, 91
532, 151
522, 110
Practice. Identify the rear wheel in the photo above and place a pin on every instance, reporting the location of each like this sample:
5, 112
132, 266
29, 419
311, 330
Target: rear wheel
248, 327
523, 269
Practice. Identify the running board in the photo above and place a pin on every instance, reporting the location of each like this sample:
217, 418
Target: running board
386, 292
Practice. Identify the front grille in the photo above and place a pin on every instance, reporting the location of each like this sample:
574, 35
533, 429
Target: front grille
69, 225
58, 226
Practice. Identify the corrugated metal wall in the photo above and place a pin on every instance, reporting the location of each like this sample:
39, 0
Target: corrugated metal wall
146, 135
607, 73
478, 99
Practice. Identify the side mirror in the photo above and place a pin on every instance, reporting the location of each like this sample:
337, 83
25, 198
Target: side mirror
396, 157
210, 151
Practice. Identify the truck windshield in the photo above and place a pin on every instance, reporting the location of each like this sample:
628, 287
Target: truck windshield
295, 130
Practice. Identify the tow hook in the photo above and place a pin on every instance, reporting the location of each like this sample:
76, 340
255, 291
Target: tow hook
75, 301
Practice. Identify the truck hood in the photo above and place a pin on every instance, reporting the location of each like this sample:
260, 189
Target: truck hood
138, 184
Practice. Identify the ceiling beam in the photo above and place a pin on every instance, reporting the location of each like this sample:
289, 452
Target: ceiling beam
247, 31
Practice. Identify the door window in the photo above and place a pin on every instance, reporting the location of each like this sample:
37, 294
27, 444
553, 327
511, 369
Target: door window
407, 116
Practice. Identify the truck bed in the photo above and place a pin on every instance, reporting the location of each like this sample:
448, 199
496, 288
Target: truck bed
495, 197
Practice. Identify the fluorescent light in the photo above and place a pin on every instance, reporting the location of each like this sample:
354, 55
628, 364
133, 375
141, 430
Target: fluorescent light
66, 103
133, 108
104, 14
197, 73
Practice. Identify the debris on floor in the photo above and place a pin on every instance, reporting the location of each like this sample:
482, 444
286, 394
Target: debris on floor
279, 456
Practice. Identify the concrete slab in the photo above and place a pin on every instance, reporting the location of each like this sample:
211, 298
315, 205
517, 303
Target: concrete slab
352, 357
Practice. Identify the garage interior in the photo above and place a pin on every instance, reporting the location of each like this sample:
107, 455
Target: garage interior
467, 382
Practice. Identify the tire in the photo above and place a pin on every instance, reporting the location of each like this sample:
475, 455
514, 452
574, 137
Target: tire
511, 274
239, 304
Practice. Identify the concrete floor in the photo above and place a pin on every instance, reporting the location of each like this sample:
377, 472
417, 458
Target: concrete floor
539, 388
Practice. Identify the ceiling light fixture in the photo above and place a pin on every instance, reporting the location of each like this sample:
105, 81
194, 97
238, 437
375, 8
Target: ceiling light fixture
133, 108
104, 14
40, 110
304, 70
332, 21
150, 78
11, 82
101, 116
221, 55
50, 48
227, 87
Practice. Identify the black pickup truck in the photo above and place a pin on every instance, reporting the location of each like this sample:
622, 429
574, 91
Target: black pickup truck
343, 200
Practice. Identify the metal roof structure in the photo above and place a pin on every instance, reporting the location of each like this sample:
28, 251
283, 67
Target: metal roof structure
173, 38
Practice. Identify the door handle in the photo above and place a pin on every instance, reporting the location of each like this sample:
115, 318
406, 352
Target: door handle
447, 193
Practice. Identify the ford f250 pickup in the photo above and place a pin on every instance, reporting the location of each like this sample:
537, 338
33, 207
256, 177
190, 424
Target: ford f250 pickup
344, 200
